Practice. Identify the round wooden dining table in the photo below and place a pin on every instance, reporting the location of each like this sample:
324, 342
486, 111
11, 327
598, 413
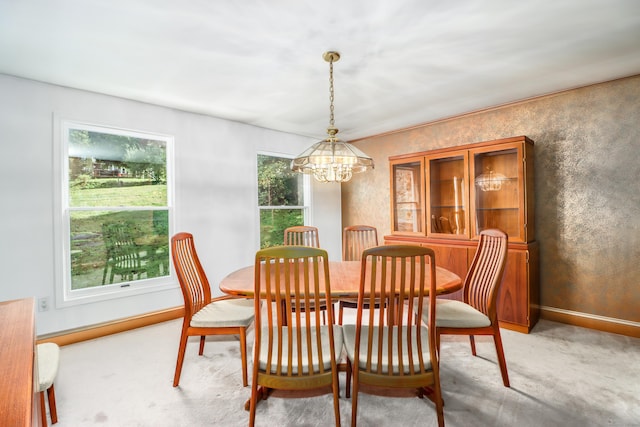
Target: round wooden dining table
344, 277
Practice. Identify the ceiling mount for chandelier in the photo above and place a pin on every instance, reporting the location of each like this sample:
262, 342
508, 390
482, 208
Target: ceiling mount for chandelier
332, 160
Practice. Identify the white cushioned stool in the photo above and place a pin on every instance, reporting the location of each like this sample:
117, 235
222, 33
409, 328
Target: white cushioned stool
48, 355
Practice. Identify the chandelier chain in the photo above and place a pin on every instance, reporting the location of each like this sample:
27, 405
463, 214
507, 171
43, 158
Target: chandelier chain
331, 118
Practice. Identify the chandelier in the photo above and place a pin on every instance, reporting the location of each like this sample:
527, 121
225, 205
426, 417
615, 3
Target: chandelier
332, 160
490, 181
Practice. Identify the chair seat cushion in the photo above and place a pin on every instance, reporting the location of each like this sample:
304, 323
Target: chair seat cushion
325, 343
350, 345
226, 312
456, 314
48, 356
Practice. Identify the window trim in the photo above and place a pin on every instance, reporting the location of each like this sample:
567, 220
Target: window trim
64, 295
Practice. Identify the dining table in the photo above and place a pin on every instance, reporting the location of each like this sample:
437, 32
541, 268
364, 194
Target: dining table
344, 277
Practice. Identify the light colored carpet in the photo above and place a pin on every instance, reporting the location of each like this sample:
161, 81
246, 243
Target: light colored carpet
560, 375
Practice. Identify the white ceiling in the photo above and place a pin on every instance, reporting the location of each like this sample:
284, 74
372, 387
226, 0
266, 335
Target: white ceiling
260, 62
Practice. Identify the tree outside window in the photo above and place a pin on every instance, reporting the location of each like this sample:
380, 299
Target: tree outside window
281, 198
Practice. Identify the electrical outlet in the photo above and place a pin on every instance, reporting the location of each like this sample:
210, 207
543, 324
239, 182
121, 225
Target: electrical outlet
43, 304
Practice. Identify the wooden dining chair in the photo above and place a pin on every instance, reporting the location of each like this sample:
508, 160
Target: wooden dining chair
391, 347
293, 350
302, 235
355, 239
305, 235
204, 315
48, 357
477, 314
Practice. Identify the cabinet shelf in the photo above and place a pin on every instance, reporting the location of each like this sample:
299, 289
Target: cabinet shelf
446, 207
508, 179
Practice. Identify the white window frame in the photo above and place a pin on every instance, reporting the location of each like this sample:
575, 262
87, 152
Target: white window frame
306, 188
64, 295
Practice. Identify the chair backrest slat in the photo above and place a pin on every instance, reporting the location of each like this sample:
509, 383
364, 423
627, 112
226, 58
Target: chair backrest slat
288, 276
486, 271
357, 238
191, 276
402, 277
302, 235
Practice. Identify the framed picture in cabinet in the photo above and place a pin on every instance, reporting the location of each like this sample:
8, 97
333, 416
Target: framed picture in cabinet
407, 211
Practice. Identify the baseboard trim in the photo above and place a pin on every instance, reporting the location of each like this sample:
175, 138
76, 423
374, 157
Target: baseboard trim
592, 321
103, 329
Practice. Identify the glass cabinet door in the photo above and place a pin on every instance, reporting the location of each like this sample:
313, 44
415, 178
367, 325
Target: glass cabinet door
447, 204
407, 197
497, 196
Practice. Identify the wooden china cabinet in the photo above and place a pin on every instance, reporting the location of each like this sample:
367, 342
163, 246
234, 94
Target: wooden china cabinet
443, 199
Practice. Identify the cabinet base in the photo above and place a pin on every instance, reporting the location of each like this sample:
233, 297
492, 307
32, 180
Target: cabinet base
515, 327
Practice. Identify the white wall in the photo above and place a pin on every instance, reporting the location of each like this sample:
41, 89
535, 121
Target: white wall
216, 196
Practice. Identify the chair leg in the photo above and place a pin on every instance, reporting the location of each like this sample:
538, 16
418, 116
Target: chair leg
440, 413
501, 360
340, 311
201, 350
243, 355
181, 350
354, 402
253, 402
336, 396
51, 395
43, 410
348, 383
438, 400
473, 344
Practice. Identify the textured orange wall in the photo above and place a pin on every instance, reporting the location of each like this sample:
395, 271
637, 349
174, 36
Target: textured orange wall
587, 188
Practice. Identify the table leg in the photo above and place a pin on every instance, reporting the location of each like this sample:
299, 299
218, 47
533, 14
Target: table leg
263, 393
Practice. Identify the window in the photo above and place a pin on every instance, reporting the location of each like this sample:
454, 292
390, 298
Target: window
282, 198
115, 210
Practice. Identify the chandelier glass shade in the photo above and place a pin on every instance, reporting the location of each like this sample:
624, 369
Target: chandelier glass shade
332, 160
